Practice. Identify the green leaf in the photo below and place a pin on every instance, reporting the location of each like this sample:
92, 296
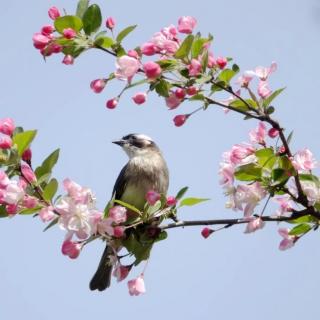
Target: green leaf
218, 86
82, 7
197, 47
30, 211
226, 75
267, 101
23, 140
248, 172
128, 206
197, 97
239, 104
181, 193
185, 47
47, 164
279, 175
122, 34
3, 212
92, 19
50, 190
300, 229
204, 61
167, 64
303, 219
153, 209
310, 177
104, 42
51, 224
266, 157
65, 22
162, 88
192, 201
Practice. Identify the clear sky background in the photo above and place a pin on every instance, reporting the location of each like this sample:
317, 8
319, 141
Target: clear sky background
228, 276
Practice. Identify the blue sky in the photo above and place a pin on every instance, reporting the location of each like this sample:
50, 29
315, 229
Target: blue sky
230, 275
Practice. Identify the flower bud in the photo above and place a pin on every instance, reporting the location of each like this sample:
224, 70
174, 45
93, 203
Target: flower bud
139, 98
180, 119
110, 23
191, 91
12, 209
172, 101
152, 70
273, 133
152, 197
40, 41
69, 33
206, 232
180, 93
47, 30
27, 155
118, 231
171, 201
68, 59
133, 54
221, 62
5, 142
148, 49
71, 249
28, 174
7, 126
29, 202
112, 103
98, 85
186, 24
54, 13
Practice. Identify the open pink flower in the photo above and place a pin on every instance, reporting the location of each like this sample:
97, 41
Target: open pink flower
194, 68
241, 151
264, 72
46, 214
4, 180
136, 286
127, 67
226, 173
254, 224
245, 79
13, 193
186, 24
258, 135
118, 214
264, 90
304, 160
288, 241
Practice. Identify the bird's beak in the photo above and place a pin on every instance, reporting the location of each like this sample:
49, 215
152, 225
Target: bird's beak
119, 142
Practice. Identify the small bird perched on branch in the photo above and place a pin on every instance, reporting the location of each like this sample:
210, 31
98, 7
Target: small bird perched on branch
146, 170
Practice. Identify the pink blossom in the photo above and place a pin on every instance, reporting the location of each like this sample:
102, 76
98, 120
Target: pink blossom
29, 202
211, 60
121, 272
126, 68
104, 226
254, 224
148, 49
172, 101
110, 23
263, 72
286, 205
46, 214
264, 90
27, 155
112, 103
5, 142
152, 197
191, 91
40, 41
47, 30
288, 241
7, 126
78, 193
133, 54
28, 174
118, 231
136, 286
69, 33
273, 133
194, 68
206, 232
180, 119
152, 70
139, 97
165, 41
245, 79
304, 160
258, 135
241, 151
98, 85
54, 13
186, 24
13, 193
4, 180
22, 183
227, 173
118, 214
71, 249
180, 93
68, 60
221, 62
311, 190
12, 209
171, 201
55, 47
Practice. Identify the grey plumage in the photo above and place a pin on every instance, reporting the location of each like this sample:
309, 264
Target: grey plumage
146, 170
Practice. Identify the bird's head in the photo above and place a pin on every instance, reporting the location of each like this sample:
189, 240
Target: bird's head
136, 144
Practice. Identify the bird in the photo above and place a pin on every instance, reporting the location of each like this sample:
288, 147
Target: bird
146, 170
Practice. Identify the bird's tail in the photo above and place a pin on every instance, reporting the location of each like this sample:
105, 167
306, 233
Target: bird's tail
102, 278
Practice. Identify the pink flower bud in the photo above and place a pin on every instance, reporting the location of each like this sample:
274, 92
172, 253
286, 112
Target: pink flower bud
98, 85
172, 101
22, 183
152, 70
54, 13
180, 93
12, 209
29, 202
194, 68
110, 23
221, 62
69, 33
46, 214
282, 149
112, 103
148, 49
139, 98
180, 119
28, 174
118, 231
7, 126
272, 133
71, 249
206, 232
133, 54
55, 47
40, 41
27, 155
171, 201
5, 142
118, 214
68, 59
121, 272
47, 30
191, 91
186, 24
136, 286
152, 197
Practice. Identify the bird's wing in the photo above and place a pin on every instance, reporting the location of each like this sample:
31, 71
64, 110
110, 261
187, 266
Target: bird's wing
120, 185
